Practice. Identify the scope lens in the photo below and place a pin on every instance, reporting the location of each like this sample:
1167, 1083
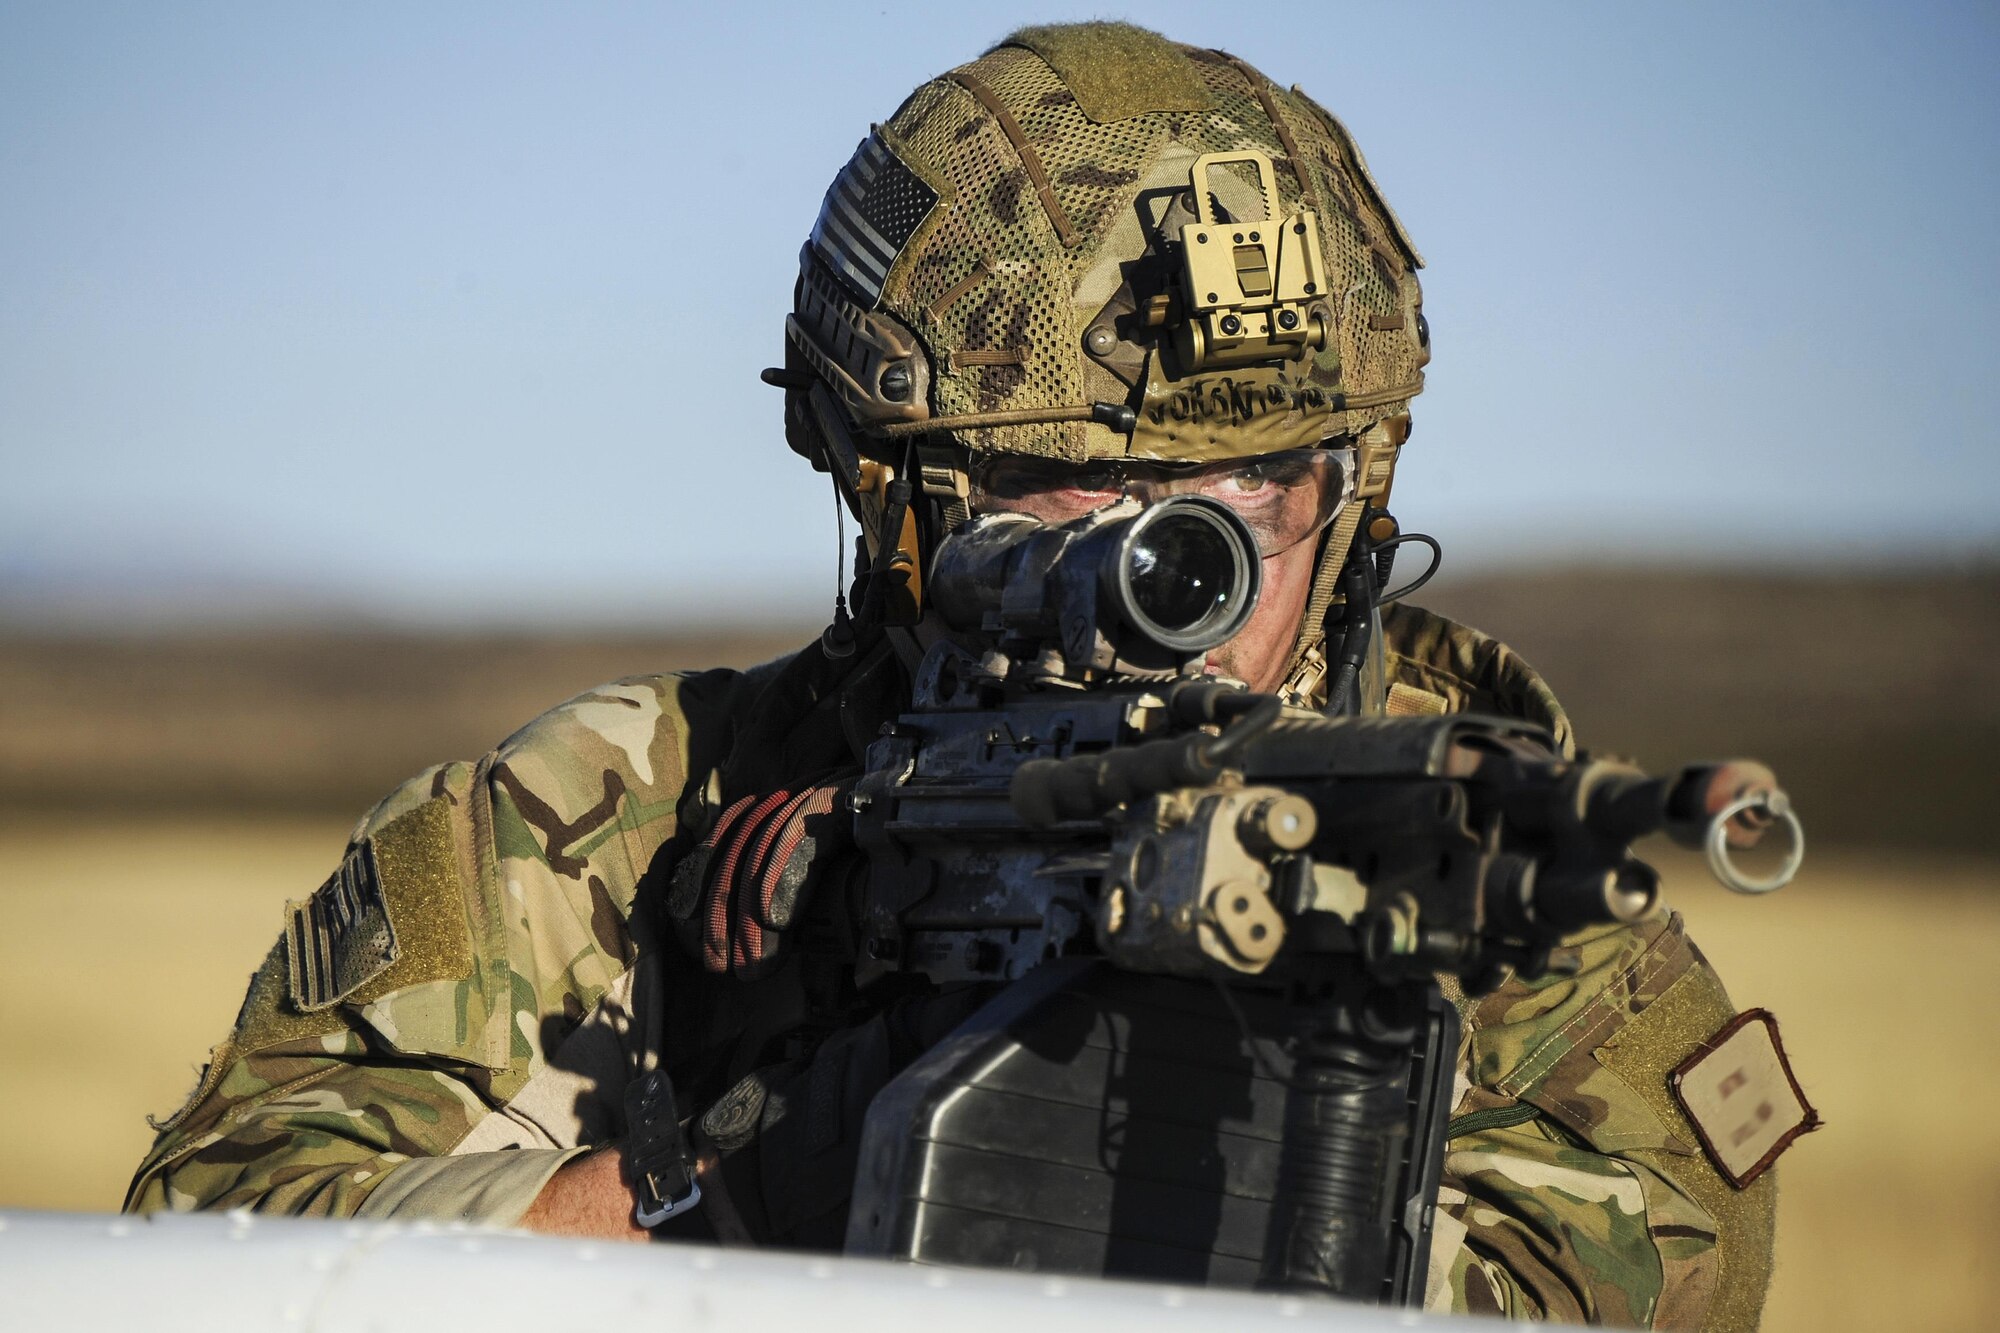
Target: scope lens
1182, 572
1187, 573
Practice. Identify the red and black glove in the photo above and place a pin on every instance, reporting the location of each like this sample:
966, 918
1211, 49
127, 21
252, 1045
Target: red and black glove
741, 887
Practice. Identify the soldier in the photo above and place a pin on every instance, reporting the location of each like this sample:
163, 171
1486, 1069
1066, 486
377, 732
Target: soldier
990, 315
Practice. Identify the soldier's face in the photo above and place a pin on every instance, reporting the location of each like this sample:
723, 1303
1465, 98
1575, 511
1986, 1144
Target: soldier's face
1285, 499
1258, 656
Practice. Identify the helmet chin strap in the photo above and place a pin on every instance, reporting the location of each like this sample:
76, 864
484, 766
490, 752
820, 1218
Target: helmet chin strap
1337, 659
1337, 663
1305, 675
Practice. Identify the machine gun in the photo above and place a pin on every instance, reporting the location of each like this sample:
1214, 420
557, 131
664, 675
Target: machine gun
1223, 1055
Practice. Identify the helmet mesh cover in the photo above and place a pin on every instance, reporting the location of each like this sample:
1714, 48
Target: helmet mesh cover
992, 291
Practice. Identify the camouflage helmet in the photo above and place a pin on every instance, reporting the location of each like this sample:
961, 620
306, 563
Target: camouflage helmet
1092, 242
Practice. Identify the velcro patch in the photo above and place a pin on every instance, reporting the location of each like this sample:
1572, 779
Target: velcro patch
340, 938
1739, 1093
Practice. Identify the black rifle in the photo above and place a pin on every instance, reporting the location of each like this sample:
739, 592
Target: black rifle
1223, 1055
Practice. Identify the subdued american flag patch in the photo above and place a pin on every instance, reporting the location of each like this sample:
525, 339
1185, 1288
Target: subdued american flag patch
874, 206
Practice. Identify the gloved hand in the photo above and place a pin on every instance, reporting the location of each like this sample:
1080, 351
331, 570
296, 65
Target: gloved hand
734, 895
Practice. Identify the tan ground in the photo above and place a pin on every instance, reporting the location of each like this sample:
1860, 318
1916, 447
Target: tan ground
1877, 967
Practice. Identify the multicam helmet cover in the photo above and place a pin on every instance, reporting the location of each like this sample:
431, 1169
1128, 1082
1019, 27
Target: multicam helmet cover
1092, 242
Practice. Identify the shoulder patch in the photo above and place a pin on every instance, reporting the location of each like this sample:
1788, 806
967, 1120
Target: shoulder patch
341, 938
392, 916
1739, 1093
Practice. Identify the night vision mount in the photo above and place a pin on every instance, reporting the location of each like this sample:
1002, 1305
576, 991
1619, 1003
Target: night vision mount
1255, 287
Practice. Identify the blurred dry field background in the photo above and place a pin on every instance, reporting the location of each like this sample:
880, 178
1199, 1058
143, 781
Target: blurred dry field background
162, 795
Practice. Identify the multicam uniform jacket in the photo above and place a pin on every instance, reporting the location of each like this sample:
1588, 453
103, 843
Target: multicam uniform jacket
457, 1011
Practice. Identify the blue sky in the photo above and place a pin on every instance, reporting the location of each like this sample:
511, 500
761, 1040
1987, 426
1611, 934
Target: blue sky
455, 312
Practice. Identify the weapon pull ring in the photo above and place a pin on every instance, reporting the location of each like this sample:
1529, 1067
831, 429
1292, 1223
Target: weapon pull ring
1726, 871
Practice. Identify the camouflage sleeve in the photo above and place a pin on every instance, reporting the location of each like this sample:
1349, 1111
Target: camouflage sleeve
1574, 1189
452, 1015
1439, 666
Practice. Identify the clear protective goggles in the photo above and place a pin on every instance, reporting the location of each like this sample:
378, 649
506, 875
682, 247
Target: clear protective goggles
1283, 497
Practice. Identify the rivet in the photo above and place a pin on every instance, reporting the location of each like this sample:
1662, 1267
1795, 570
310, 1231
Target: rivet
1288, 319
1100, 340
1231, 325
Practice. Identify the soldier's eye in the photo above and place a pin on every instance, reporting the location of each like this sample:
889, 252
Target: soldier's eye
1096, 481
1260, 480
1287, 472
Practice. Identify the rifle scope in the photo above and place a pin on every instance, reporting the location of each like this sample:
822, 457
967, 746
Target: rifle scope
1181, 575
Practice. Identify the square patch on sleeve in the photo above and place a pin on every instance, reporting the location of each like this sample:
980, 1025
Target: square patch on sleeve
1740, 1095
